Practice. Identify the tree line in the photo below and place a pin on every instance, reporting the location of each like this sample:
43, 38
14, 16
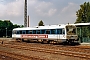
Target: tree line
83, 16
6, 27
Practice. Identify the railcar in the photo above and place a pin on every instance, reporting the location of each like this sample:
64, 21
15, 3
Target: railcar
47, 34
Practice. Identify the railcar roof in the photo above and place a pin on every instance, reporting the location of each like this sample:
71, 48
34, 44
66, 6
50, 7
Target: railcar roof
41, 27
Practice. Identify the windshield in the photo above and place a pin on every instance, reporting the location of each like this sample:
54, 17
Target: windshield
71, 30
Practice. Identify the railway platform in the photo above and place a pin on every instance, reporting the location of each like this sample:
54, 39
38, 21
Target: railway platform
85, 44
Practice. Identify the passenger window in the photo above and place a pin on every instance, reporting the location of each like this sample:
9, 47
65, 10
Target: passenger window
48, 31
29, 32
59, 31
38, 31
23, 32
53, 31
17, 32
20, 32
42, 31
34, 31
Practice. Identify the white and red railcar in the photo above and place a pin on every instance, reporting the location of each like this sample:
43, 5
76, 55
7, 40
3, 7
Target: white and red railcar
53, 33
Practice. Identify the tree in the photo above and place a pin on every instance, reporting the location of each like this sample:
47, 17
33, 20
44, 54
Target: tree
83, 14
6, 27
41, 23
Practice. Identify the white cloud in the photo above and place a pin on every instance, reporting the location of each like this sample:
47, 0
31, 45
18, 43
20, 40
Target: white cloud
14, 8
11, 9
32, 2
51, 12
45, 9
70, 8
2, 10
68, 13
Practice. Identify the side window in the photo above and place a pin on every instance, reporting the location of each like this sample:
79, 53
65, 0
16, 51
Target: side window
20, 32
42, 31
53, 31
48, 31
17, 32
34, 31
29, 31
23, 32
38, 31
59, 31
13, 32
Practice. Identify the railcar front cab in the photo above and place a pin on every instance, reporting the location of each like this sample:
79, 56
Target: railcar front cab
71, 34
15, 35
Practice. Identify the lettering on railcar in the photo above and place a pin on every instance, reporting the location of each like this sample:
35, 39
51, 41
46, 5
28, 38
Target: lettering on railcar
34, 36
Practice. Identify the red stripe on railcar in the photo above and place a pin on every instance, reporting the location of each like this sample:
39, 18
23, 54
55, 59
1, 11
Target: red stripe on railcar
34, 36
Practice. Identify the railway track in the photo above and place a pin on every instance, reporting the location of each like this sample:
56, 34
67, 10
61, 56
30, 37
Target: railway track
84, 49
74, 51
14, 56
6, 55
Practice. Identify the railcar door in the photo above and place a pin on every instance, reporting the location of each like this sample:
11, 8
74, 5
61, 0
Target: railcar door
61, 34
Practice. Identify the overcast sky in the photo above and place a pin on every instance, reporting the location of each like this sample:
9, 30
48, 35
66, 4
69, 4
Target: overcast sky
49, 11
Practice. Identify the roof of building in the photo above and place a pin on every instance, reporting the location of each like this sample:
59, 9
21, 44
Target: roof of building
81, 24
